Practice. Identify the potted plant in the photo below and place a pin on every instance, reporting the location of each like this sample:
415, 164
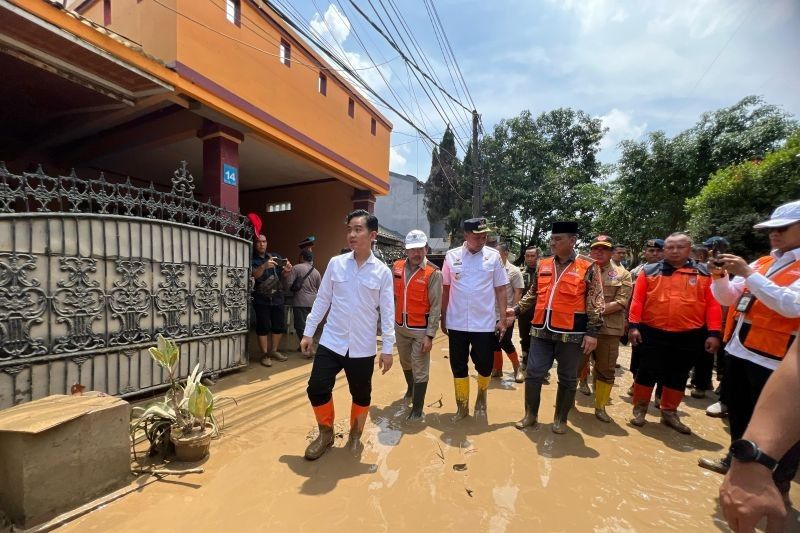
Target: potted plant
185, 418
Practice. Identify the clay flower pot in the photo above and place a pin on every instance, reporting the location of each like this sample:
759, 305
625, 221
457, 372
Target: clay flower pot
193, 446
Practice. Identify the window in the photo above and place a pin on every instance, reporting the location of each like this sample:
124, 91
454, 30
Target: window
351, 108
286, 53
373, 126
277, 208
106, 12
323, 84
233, 11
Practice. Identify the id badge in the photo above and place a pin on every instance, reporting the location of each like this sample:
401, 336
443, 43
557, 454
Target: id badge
745, 303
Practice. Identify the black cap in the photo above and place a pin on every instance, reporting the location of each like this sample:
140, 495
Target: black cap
712, 240
308, 241
565, 226
654, 243
476, 225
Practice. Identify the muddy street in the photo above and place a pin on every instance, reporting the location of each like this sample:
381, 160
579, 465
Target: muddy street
440, 475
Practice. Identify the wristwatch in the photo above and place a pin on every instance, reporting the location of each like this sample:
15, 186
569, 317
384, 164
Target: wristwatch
747, 451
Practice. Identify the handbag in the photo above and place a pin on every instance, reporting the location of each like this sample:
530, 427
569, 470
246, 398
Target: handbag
297, 284
269, 287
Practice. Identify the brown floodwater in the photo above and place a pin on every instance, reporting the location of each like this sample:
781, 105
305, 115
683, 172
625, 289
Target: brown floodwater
597, 477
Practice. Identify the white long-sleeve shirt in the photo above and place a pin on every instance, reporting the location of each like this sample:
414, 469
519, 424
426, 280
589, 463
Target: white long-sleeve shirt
782, 300
356, 297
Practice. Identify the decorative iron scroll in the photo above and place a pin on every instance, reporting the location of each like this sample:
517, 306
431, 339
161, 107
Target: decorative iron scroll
38, 192
22, 305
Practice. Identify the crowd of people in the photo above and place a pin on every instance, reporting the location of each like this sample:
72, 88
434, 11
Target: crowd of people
685, 309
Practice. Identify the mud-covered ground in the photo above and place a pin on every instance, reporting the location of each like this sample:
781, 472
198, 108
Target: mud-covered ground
438, 475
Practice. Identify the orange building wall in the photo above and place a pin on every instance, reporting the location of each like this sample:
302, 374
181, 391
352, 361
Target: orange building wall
244, 60
319, 209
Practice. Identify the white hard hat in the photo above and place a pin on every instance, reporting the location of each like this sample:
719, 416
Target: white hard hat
416, 239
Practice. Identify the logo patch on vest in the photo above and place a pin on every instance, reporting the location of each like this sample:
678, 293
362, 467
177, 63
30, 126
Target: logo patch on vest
693, 280
546, 269
612, 274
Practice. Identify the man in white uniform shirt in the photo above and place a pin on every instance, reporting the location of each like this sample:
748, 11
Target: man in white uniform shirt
357, 289
474, 282
763, 302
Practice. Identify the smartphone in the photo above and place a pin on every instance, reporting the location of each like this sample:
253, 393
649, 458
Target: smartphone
719, 247
281, 262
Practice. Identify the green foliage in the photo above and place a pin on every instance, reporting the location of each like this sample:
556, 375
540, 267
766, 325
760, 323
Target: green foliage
741, 195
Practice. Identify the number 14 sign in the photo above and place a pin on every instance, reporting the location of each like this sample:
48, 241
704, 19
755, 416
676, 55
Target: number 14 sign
230, 174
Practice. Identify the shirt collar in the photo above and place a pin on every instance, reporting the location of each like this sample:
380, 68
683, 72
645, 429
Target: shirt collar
371, 259
792, 254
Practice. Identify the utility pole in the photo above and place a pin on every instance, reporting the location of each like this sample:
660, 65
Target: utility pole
477, 185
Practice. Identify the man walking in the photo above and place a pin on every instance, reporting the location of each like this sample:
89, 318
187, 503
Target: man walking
524, 320
474, 283
617, 288
513, 294
304, 283
417, 308
673, 314
356, 291
567, 302
763, 319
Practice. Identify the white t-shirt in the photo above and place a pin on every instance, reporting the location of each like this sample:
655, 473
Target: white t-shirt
472, 279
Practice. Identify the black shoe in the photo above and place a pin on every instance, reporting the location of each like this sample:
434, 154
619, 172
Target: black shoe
565, 400
418, 400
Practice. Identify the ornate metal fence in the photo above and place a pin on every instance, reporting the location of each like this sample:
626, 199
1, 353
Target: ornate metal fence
91, 271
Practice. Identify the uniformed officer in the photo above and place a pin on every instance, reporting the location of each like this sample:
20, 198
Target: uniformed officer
474, 281
567, 301
417, 307
617, 293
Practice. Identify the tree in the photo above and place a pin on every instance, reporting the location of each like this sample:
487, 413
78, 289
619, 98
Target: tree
656, 176
741, 195
446, 188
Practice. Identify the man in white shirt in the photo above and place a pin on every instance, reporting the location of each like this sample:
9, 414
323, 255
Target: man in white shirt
763, 318
356, 291
474, 282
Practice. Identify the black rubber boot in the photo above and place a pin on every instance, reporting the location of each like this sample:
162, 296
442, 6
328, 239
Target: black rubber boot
565, 400
418, 400
533, 397
410, 382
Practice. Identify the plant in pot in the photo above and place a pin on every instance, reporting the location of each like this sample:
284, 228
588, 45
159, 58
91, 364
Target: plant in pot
184, 420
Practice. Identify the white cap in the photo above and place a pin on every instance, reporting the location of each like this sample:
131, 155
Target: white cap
415, 239
783, 216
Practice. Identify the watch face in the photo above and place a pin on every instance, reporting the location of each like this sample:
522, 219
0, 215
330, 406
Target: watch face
744, 450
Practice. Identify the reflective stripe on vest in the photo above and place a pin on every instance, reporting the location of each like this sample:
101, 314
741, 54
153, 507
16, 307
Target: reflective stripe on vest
764, 331
411, 305
561, 304
676, 302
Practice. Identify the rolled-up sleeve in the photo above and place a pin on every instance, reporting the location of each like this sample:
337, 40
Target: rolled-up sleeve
387, 312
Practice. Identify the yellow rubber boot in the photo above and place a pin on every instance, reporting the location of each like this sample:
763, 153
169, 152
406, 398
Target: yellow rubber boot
602, 393
462, 397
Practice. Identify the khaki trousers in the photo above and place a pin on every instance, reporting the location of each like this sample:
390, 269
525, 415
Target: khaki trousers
605, 358
409, 346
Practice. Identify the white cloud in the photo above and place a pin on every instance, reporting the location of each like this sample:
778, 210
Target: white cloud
594, 13
397, 161
620, 127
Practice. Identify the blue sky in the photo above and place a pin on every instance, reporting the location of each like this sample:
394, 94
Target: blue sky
639, 66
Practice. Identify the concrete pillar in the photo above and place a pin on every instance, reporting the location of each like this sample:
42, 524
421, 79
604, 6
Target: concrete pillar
364, 199
221, 164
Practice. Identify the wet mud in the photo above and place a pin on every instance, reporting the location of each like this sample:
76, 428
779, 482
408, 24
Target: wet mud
473, 475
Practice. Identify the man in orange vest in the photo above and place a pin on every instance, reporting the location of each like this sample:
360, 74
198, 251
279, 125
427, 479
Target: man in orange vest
763, 318
417, 307
672, 315
567, 302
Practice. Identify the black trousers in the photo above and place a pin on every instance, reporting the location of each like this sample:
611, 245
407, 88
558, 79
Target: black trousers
504, 343
482, 352
524, 322
328, 364
745, 381
300, 314
703, 370
666, 357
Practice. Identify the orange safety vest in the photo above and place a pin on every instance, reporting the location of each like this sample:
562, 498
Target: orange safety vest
561, 304
764, 331
411, 305
676, 302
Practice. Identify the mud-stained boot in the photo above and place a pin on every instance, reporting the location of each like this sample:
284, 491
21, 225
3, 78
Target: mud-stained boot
519, 374
670, 418
418, 400
533, 395
565, 399
720, 466
524, 362
462, 398
583, 386
639, 412
480, 400
358, 419
324, 415
409, 386
602, 393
